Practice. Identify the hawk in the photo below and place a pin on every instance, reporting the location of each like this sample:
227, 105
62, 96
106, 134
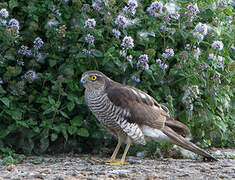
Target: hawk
132, 115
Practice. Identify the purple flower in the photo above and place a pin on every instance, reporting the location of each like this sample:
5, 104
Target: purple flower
131, 7
201, 28
127, 42
4, 13
14, 23
155, 9
24, 50
96, 5
121, 21
122, 53
58, 12
134, 78
21, 63
116, 32
86, 51
217, 45
203, 66
129, 58
90, 39
143, 62
198, 35
169, 52
90, 23
38, 43
163, 66
30, 75
175, 16
159, 61
192, 11
211, 56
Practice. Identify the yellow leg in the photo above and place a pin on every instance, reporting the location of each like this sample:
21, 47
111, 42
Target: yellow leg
122, 161
113, 157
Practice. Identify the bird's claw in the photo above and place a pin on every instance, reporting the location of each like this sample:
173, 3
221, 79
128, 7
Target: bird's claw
117, 163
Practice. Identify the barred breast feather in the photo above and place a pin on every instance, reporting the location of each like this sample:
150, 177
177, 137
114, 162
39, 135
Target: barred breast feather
113, 117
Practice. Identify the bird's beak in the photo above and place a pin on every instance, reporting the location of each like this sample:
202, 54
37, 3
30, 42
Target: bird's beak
82, 81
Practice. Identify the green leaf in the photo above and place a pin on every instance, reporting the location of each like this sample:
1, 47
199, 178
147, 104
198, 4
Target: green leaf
229, 12
98, 53
111, 50
83, 132
54, 136
64, 114
52, 62
76, 121
81, 55
5, 101
17, 115
70, 106
48, 111
72, 130
13, 3
51, 100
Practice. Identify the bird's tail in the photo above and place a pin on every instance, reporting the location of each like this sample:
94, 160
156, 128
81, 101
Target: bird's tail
182, 142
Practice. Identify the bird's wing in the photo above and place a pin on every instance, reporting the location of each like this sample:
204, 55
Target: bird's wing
142, 108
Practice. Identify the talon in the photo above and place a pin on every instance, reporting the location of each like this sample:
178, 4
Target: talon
117, 163
96, 160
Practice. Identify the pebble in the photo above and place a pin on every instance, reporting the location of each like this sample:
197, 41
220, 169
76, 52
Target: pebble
139, 169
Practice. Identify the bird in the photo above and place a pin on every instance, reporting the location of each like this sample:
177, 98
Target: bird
133, 116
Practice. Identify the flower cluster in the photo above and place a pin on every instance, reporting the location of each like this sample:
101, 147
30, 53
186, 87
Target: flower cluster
169, 52
30, 75
171, 10
134, 78
161, 65
56, 11
38, 43
121, 21
90, 23
203, 66
116, 32
217, 45
129, 58
96, 4
190, 95
143, 62
24, 50
201, 31
90, 39
14, 23
155, 9
88, 52
4, 13
192, 11
127, 42
131, 7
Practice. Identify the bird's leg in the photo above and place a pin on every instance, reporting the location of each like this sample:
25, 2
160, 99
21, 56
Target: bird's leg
113, 157
122, 161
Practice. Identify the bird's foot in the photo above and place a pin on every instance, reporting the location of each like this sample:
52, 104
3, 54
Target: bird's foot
117, 163
96, 160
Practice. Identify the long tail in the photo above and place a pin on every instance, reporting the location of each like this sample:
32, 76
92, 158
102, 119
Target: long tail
181, 141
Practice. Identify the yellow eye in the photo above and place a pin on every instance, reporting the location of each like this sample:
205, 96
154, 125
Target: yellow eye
93, 78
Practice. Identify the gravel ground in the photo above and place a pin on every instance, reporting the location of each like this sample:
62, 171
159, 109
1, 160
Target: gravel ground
63, 167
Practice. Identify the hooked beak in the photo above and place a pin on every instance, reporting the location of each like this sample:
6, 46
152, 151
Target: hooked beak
82, 81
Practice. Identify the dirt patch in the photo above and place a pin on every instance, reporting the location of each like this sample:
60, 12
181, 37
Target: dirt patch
63, 167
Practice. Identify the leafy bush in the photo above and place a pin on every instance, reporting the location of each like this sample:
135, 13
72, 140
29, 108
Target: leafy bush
181, 53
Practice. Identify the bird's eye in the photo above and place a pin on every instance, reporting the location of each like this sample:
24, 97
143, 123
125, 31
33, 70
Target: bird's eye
93, 78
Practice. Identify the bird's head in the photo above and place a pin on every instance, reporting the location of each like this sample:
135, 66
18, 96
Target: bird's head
93, 80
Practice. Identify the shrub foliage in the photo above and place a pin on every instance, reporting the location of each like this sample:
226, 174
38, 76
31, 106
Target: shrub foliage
179, 52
